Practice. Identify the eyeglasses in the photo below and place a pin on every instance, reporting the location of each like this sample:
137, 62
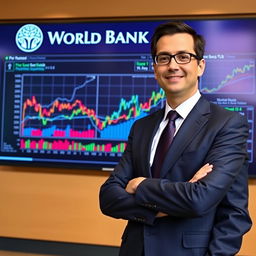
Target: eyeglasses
180, 58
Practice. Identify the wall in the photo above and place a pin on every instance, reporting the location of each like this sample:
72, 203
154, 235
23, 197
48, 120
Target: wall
114, 8
60, 204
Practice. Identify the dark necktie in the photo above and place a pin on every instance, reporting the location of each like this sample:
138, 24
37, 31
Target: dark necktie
164, 143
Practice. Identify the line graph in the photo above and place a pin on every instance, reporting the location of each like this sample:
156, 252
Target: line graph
85, 106
229, 77
80, 108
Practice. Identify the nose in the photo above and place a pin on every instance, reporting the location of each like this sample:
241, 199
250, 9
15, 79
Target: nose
173, 64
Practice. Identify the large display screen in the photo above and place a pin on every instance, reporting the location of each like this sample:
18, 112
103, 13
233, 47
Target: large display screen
70, 91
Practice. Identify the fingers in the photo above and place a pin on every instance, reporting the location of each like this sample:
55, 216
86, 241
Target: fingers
202, 172
161, 214
133, 184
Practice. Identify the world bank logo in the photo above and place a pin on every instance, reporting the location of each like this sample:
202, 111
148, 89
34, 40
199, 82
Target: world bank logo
29, 38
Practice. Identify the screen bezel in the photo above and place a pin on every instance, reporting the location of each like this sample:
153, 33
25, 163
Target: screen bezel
111, 19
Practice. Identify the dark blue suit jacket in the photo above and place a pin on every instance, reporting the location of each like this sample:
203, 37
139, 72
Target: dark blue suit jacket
206, 218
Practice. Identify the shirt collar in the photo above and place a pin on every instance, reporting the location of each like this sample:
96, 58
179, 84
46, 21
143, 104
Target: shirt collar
185, 107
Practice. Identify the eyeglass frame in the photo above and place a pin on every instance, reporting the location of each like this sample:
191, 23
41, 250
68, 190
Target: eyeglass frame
173, 56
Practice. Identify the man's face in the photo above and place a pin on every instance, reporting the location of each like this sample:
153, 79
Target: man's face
178, 80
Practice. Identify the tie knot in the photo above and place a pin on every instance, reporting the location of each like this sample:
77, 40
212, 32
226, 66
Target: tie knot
172, 115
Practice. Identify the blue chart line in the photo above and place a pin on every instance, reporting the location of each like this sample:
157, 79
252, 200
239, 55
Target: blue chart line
229, 77
94, 106
87, 79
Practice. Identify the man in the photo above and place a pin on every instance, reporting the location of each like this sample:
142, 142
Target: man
171, 207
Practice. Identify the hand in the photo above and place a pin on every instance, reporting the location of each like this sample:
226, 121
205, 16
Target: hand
161, 214
133, 184
202, 172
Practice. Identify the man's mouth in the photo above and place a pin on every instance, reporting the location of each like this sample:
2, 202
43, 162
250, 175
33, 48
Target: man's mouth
174, 78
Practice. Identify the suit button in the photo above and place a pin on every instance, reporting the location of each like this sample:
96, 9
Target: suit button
151, 206
139, 219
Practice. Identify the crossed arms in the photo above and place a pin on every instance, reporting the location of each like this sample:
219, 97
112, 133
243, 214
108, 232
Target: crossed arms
134, 183
220, 188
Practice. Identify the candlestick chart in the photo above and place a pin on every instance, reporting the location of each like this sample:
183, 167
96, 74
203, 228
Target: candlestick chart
75, 109
91, 108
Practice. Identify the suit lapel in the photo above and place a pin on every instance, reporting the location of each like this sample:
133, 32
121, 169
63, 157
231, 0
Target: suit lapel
192, 125
150, 128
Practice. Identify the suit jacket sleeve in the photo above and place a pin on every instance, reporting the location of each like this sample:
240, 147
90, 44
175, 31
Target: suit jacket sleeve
224, 190
115, 201
232, 220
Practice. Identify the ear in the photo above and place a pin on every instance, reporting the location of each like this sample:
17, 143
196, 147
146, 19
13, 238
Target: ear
201, 67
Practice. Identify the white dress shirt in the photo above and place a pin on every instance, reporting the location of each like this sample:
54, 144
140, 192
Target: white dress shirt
183, 110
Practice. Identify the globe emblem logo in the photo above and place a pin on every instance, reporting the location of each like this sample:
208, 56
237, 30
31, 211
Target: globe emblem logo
29, 38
